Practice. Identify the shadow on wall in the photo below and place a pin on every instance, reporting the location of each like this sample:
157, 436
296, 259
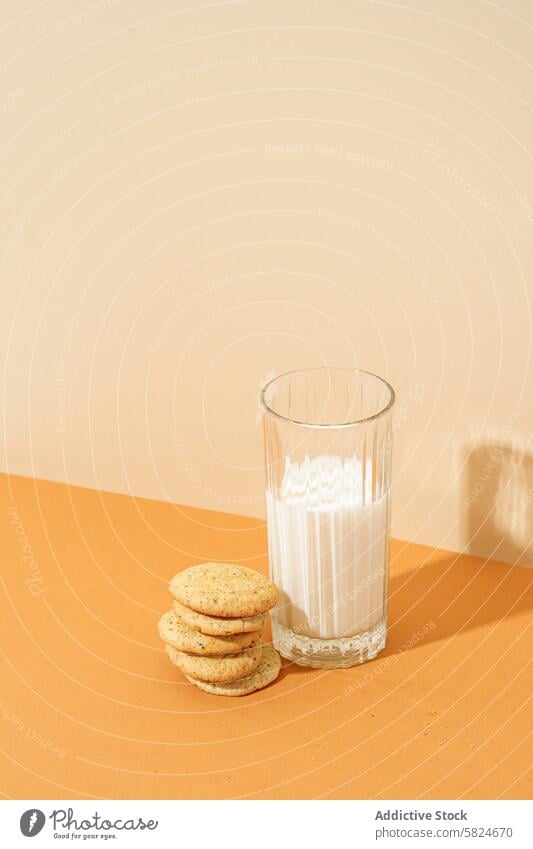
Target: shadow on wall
497, 504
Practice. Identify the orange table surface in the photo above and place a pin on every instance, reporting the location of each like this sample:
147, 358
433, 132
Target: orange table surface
91, 707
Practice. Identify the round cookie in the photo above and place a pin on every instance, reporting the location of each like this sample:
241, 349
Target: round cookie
266, 672
178, 635
225, 590
226, 668
217, 626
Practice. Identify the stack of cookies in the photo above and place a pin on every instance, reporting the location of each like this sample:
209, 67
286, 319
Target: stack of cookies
213, 632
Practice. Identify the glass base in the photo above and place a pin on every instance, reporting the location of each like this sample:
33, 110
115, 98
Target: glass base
329, 654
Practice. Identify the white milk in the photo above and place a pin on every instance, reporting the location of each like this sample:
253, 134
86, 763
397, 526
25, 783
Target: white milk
328, 548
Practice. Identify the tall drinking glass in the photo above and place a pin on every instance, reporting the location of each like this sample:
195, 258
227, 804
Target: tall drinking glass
328, 447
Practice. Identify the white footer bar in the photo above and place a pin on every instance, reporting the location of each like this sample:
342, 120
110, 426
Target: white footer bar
261, 824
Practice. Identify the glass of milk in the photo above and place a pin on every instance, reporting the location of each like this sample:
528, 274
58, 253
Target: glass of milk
328, 447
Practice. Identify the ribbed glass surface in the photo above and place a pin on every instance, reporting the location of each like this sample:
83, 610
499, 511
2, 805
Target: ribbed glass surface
328, 445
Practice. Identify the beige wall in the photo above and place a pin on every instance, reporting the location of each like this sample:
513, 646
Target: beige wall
195, 200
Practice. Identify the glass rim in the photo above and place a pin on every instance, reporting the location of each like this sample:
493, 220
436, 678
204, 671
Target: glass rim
384, 410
